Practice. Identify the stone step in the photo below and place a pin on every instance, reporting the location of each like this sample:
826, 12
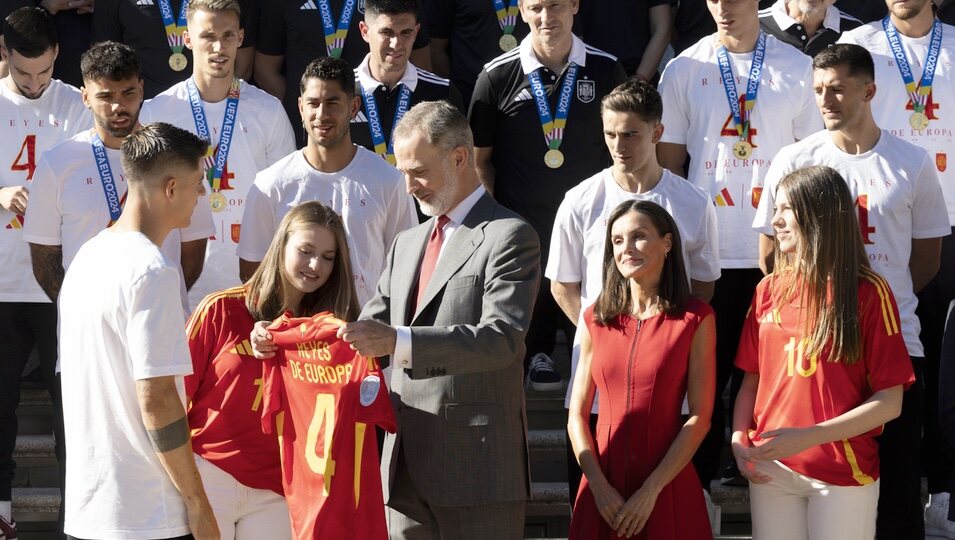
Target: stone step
32, 504
35, 412
36, 462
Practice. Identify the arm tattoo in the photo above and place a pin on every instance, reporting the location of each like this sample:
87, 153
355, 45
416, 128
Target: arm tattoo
48, 268
170, 437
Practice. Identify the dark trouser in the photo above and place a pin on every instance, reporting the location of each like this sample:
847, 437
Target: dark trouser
547, 319
946, 394
732, 296
900, 490
937, 453
574, 474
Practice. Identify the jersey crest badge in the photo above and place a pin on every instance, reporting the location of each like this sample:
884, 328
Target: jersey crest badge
370, 386
586, 91
756, 195
941, 161
236, 229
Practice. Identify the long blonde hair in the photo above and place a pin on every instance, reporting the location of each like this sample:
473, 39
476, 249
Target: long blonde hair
823, 273
265, 299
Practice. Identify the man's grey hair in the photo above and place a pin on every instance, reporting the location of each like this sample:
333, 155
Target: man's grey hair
442, 124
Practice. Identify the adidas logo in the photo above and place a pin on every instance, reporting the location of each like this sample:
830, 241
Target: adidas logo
145, 3
243, 349
523, 95
309, 4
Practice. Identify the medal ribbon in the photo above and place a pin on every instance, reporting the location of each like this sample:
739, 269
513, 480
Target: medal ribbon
215, 162
383, 148
917, 94
335, 37
553, 126
174, 28
741, 115
106, 178
506, 15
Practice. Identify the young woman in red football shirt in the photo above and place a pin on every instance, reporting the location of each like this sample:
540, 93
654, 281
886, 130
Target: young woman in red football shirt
305, 271
825, 366
646, 345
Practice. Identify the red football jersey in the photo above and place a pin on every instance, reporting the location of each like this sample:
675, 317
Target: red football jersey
796, 390
324, 399
225, 393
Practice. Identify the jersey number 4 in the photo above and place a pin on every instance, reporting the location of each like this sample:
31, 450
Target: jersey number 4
26, 162
323, 426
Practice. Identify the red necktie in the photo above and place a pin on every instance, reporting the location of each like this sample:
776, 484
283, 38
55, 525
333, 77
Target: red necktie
430, 258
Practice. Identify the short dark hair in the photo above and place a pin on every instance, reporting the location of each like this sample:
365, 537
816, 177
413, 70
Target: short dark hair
846, 54
637, 97
109, 60
214, 6
391, 7
158, 147
30, 31
327, 68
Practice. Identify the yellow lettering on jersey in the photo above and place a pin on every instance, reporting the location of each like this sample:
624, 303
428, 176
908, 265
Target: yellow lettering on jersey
314, 350
323, 420
258, 393
795, 358
319, 374
359, 443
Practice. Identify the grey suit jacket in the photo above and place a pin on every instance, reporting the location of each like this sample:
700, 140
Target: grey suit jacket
460, 408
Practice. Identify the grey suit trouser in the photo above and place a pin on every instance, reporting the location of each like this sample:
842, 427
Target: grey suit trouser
410, 517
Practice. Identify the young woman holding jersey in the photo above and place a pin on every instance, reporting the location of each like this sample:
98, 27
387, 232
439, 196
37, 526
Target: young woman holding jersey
305, 271
825, 366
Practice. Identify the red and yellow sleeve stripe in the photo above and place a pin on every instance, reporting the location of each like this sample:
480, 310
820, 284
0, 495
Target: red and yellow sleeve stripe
889, 317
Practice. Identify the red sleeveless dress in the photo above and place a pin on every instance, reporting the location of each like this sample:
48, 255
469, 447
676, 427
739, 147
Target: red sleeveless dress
640, 369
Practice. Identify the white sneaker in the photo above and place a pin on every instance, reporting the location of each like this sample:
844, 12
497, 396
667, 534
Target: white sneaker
714, 512
936, 516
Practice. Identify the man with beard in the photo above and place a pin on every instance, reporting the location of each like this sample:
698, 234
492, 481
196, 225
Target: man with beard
79, 187
914, 54
41, 112
809, 25
451, 310
357, 184
247, 127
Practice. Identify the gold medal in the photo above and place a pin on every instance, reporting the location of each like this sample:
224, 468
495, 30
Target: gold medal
918, 121
507, 42
742, 150
554, 158
178, 61
217, 201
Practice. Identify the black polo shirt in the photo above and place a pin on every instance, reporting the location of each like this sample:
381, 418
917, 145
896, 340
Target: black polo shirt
424, 85
139, 24
620, 27
293, 29
503, 115
775, 21
472, 31
72, 34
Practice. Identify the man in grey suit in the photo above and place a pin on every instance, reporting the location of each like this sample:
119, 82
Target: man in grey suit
451, 310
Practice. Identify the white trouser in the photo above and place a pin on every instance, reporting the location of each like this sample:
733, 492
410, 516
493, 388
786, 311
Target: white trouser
795, 507
244, 513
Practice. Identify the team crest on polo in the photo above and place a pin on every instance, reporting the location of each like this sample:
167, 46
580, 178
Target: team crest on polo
586, 91
361, 6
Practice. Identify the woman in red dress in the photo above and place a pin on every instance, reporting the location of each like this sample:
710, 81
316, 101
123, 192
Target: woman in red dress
646, 345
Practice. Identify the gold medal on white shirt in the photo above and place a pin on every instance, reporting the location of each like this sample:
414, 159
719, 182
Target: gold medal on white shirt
178, 61
918, 121
217, 201
507, 42
742, 150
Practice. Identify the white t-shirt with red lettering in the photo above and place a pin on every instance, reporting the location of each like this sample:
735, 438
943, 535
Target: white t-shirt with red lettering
696, 114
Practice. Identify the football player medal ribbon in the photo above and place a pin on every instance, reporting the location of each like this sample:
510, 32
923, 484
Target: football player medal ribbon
335, 37
174, 30
553, 126
214, 162
507, 19
742, 149
384, 148
918, 95
113, 199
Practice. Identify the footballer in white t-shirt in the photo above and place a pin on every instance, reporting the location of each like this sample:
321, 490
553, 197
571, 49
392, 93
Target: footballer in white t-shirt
29, 127
368, 193
697, 116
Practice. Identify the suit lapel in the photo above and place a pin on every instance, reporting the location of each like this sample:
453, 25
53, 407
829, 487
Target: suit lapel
462, 244
406, 271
